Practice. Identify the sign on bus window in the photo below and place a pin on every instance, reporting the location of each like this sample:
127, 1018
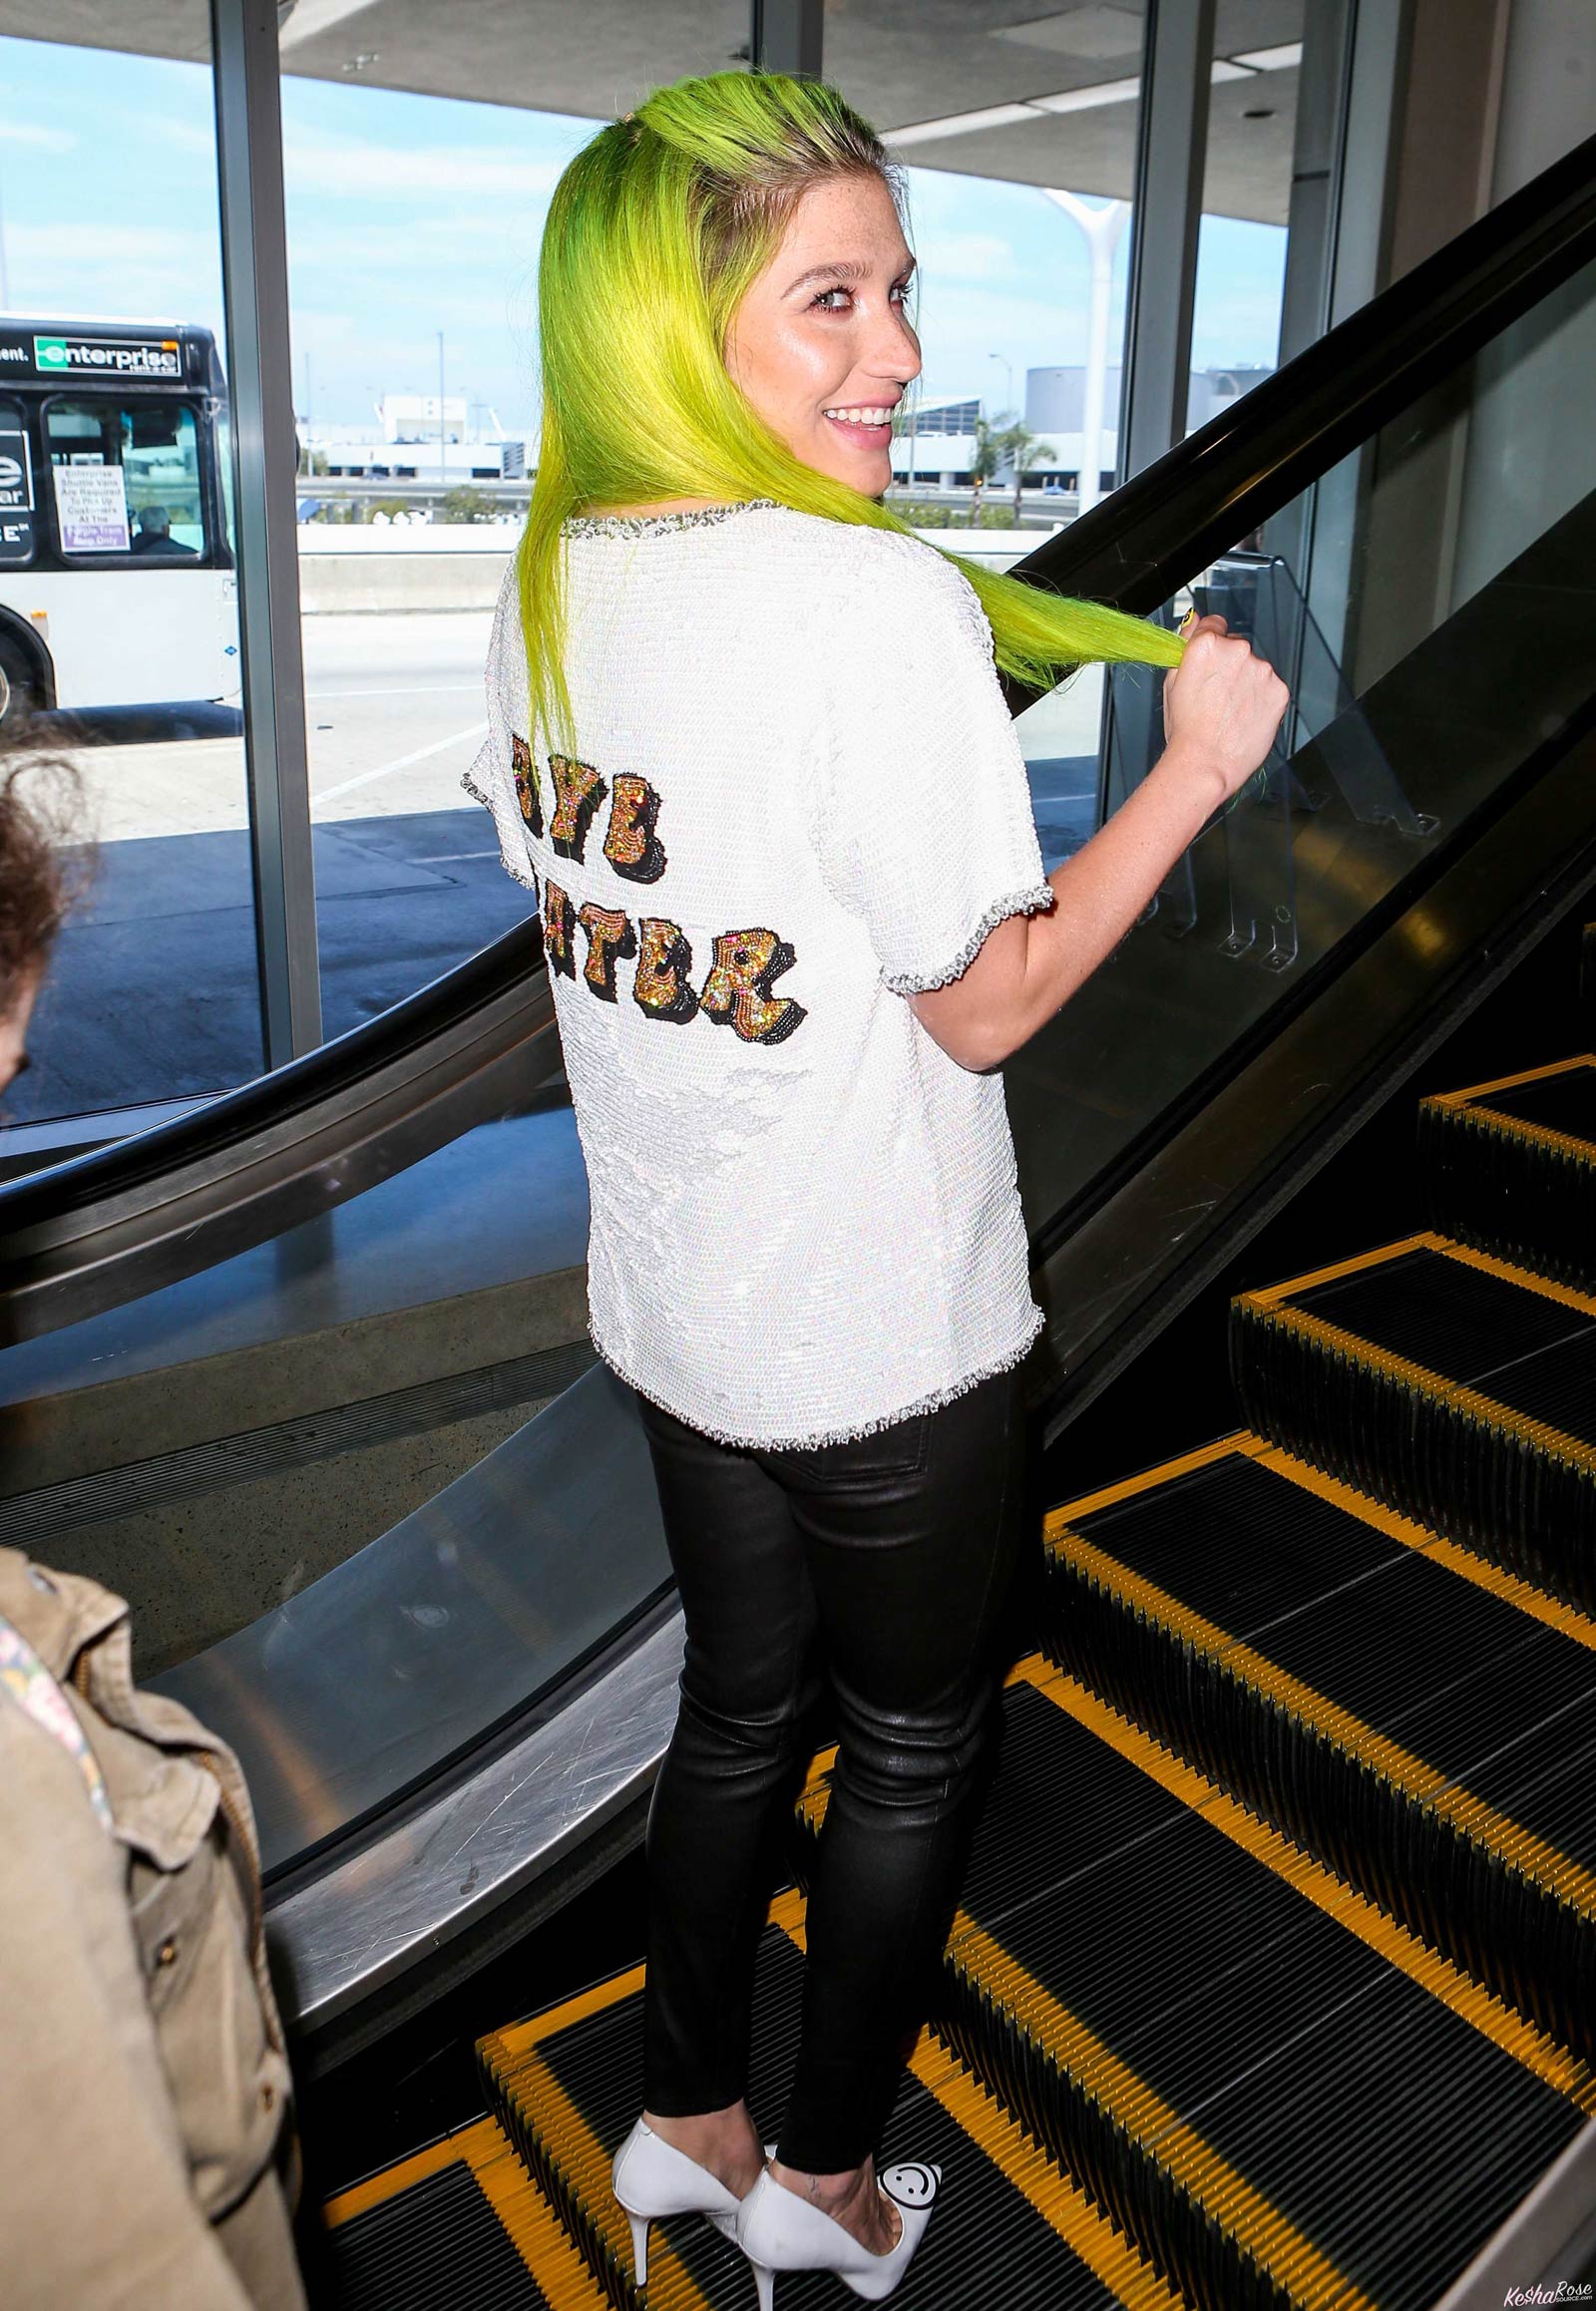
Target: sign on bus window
126, 478
16, 487
91, 507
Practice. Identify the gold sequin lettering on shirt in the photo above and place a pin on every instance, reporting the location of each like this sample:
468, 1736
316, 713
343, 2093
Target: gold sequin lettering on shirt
528, 789
609, 936
579, 790
559, 930
737, 991
660, 982
630, 843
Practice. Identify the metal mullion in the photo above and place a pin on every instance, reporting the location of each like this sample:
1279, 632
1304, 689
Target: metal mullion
1166, 213
254, 254
788, 36
1171, 150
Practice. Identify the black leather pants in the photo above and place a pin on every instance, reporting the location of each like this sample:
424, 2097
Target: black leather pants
881, 1564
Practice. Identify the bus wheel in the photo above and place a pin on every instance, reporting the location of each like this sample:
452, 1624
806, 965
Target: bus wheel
18, 696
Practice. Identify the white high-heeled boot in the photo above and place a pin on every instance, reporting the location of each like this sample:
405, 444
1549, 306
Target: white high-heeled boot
651, 2178
778, 2231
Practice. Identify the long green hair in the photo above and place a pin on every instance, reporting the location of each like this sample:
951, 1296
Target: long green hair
655, 232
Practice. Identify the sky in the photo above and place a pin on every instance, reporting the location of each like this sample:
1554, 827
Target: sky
409, 215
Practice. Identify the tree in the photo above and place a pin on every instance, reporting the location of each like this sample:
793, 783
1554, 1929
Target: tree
984, 466
1020, 447
464, 504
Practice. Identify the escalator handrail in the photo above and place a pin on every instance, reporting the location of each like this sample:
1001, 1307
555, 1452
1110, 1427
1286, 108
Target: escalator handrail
1131, 550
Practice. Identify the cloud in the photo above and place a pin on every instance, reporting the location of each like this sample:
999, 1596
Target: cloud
39, 139
964, 256
421, 172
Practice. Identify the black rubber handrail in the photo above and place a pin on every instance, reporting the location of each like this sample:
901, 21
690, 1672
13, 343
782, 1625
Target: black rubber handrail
1132, 550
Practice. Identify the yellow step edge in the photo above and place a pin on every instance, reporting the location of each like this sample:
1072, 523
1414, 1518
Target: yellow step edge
1268, 1297
1199, 2172
1486, 1411
1527, 2044
525, 2215
1509, 1841
1056, 2198
1509, 1082
1492, 1122
514, 2060
449, 2151
1512, 1588
1524, 2041
1127, 1487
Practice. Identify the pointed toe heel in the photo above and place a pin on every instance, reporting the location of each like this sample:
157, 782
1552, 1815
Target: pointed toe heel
778, 2231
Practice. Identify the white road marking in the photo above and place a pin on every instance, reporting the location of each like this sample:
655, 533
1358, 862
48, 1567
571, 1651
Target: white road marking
328, 794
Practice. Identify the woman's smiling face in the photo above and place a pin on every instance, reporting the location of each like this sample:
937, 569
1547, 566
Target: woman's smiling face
821, 345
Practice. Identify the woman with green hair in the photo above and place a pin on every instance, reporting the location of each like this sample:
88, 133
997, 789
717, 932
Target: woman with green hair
749, 751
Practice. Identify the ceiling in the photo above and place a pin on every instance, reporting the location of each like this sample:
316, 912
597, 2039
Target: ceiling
903, 62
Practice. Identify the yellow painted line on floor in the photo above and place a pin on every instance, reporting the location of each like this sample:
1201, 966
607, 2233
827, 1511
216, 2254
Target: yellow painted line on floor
1485, 2011
1056, 2198
1532, 1857
1568, 1620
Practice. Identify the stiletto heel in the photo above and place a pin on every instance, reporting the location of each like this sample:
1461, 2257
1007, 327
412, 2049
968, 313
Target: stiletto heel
765, 2282
640, 2245
651, 2178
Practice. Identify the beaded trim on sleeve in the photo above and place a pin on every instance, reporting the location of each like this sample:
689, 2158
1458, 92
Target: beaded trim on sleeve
1036, 901
511, 866
653, 525
932, 1403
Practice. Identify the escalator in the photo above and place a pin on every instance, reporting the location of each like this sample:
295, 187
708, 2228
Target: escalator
1272, 1982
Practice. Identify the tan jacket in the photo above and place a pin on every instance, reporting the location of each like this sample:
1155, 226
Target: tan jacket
144, 2090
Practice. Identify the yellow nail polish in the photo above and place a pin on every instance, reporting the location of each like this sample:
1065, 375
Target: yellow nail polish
1186, 623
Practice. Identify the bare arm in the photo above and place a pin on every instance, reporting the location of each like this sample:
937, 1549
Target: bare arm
1222, 707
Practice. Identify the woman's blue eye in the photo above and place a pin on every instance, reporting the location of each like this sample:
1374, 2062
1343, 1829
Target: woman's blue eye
899, 294
825, 296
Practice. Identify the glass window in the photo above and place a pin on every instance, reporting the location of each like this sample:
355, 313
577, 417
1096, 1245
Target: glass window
415, 384
125, 479
1253, 109
119, 609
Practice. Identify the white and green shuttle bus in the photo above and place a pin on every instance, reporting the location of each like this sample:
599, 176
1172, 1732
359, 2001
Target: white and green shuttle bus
116, 578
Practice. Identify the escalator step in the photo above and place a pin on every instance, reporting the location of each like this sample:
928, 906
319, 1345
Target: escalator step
1009, 2230
1274, 2089
1427, 1730
1510, 1167
1445, 1383
459, 2224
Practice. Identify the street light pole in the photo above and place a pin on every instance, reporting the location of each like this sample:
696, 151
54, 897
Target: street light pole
442, 475
1009, 374
1103, 228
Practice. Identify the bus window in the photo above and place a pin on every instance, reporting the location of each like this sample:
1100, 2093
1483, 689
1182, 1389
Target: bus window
16, 486
127, 479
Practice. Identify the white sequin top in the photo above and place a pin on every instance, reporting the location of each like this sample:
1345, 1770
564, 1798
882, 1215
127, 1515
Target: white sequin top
799, 799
